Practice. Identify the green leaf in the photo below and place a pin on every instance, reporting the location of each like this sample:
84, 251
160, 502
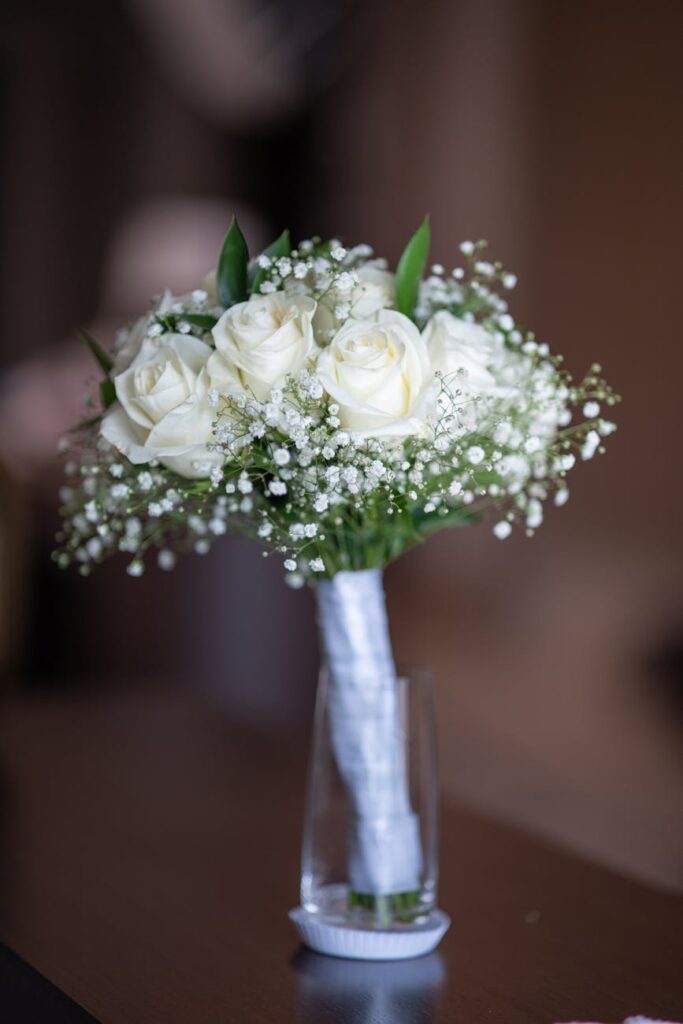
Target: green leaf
410, 269
276, 250
98, 352
107, 393
203, 320
231, 277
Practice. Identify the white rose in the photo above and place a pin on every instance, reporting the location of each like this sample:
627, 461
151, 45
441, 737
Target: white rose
378, 373
127, 349
162, 410
262, 340
375, 290
458, 347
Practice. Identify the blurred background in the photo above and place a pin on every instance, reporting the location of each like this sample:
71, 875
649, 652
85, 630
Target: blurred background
132, 129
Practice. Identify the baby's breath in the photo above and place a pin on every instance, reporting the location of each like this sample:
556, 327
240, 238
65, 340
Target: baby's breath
290, 472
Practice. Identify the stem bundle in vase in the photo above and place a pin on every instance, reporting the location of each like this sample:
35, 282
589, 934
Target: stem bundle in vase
338, 413
385, 859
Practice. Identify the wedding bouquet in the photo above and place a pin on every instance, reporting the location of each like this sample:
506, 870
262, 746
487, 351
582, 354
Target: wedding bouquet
338, 413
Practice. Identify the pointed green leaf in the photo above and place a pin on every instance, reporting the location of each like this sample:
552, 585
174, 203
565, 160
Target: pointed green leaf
410, 269
231, 278
203, 320
107, 393
276, 250
102, 357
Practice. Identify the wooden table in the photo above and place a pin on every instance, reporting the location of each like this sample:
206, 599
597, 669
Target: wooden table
150, 854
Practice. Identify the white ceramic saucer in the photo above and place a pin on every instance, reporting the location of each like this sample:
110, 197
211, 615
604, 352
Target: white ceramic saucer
325, 936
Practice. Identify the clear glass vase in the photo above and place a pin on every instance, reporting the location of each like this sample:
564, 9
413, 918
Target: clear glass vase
369, 863
370, 843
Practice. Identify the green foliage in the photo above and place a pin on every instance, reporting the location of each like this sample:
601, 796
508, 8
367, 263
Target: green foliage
107, 392
231, 278
103, 358
411, 268
104, 361
204, 321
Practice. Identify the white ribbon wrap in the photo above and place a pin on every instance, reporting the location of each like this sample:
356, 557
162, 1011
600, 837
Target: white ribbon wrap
367, 735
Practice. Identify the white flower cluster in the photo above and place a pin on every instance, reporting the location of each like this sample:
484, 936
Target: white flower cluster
317, 418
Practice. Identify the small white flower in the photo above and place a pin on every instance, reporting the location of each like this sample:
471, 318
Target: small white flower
506, 322
561, 497
166, 560
290, 564
145, 481
154, 509
296, 531
135, 568
116, 470
244, 484
217, 526
591, 410
119, 491
94, 547
196, 524
475, 455
277, 488
310, 530
321, 503
212, 397
264, 261
467, 248
294, 580
281, 456
455, 488
316, 565
590, 445
532, 444
265, 530
502, 529
509, 281
534, 514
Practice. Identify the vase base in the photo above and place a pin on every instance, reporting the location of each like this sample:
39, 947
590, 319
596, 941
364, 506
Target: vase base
352, 943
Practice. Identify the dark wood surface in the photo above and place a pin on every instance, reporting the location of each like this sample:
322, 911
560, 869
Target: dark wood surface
150, 855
